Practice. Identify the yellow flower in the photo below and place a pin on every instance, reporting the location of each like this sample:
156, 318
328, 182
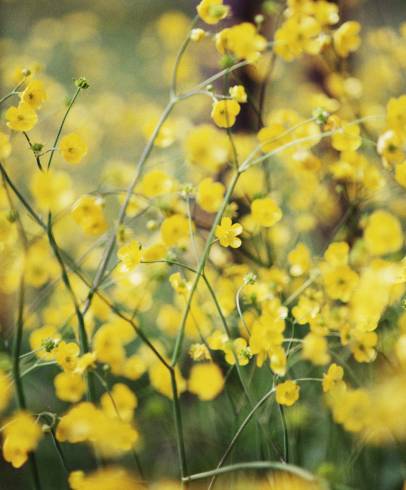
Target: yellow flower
383, 233
21, 435
5, 146
21, 118
400, 174
197, 35
346, 38
333, 378
238, 93
34, 94
224, 113
88, 213
125, 402
156, 183
340, 281
207, 147
73, 148
265, 212
210, 195
52, 190
130, 255
271, 137
337, 253
396, 115
206, 381
175, 230
315, 349
242, 40
199, 352
351, 409
237, 349
179, 284
5, 390
161, 380
390, 146
104, 479
43, 340
287, 393
363, 345
347, 137
298, 35
227, 233
300, 260
69, 387
212, 11
66, 355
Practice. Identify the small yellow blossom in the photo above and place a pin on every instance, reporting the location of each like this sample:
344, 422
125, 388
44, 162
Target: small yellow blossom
300, 260
34, 94
210, 195
175, 230
212, 11
206, 381
227, 233
120, 402
287, 393
225, 112
346, 38
238, 93
199, 352
21, 118
315, 349
333, 378
73, 148
156, 183
383, 233
69, 387
242, 40
66, 355
347, 137
197, 35
130, 255
21, 435
88, 213
265, 212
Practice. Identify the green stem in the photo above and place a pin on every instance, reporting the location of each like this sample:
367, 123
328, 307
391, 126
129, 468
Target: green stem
178, 425
178, 59
201, 266
58, 134
254, 465
20, 397
245, 422
84, 342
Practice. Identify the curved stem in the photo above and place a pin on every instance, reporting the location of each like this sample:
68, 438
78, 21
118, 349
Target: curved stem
254, 465
58, 134
246, 421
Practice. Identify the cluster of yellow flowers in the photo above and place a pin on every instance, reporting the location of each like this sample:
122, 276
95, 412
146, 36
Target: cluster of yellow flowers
262, 249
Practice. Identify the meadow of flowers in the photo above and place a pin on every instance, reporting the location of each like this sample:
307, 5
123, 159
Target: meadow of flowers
202, 258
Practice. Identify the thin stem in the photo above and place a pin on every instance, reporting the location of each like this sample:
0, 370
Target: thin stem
13, 92
254, 465
58, 134
123, 211
246, 422
178, 425
200, 269
20, 397
179, 56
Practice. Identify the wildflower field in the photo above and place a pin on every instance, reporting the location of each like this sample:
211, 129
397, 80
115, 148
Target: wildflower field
202, 253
